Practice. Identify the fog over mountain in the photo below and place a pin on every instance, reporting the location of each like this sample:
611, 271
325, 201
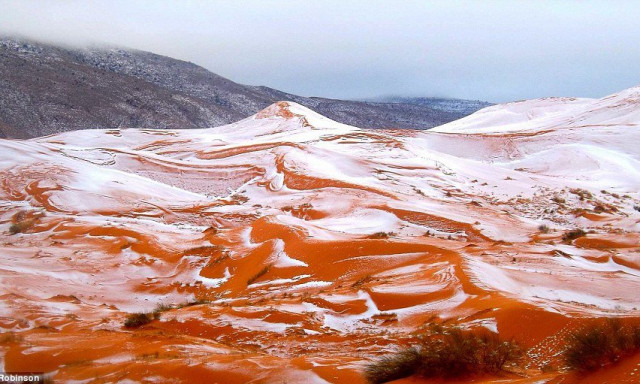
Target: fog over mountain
491, 50
49, 89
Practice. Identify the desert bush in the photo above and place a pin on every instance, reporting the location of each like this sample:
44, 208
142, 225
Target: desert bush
543, 228
636, 207
601, 344
20, 226
192, 303
14, 228
381, 235
393, 367
573, 234
23, 221
161, 308
135, 320
581, 193
450, 353
361, 281
218, 260
259, 274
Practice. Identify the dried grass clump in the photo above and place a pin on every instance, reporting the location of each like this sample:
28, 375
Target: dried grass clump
601, 344
22, 222
573, 234
136, 320
259, 274
543, 228
451, 353
381, 235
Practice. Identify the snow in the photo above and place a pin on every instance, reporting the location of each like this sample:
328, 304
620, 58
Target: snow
514, 117
361, 221
282, 260
492, 174
346, 323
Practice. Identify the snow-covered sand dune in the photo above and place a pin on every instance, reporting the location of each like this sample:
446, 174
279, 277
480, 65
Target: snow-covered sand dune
318, 245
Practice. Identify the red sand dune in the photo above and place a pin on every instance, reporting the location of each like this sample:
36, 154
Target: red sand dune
307, 248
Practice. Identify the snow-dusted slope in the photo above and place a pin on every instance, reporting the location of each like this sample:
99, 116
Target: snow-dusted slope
301, 232
515, 116
622, 108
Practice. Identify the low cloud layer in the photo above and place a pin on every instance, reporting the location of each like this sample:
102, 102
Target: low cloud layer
489, 50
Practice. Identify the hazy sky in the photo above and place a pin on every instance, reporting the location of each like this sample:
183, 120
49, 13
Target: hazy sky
489, 50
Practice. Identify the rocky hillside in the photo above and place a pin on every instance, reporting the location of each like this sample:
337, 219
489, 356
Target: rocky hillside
461, 106
49, 89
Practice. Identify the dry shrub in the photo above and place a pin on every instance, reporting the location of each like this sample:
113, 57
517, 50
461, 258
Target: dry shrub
393, 367
192, 303
581, 193
22, 222
259, 274
136, 320
601, 344
452, 353
361, 281
381, 235
573, 234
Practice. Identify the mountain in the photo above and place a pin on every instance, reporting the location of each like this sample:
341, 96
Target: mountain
465, 107
49, 89
288, 247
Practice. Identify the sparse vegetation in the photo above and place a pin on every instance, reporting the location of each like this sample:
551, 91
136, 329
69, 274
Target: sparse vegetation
581, 193
573, 234
450, 353
161, 308
259, 274
397, 366
558, 200
381, 235
599, 208
10, 337
543, 228
192, 303
361, 281
21, 223
636, 207
136, 320
14, 228
600, 345
218, 260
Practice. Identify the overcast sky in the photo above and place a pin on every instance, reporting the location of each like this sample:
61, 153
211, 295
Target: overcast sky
489, 50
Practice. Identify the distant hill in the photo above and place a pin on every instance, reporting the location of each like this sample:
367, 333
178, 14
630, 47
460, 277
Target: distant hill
462, 106
49, 89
